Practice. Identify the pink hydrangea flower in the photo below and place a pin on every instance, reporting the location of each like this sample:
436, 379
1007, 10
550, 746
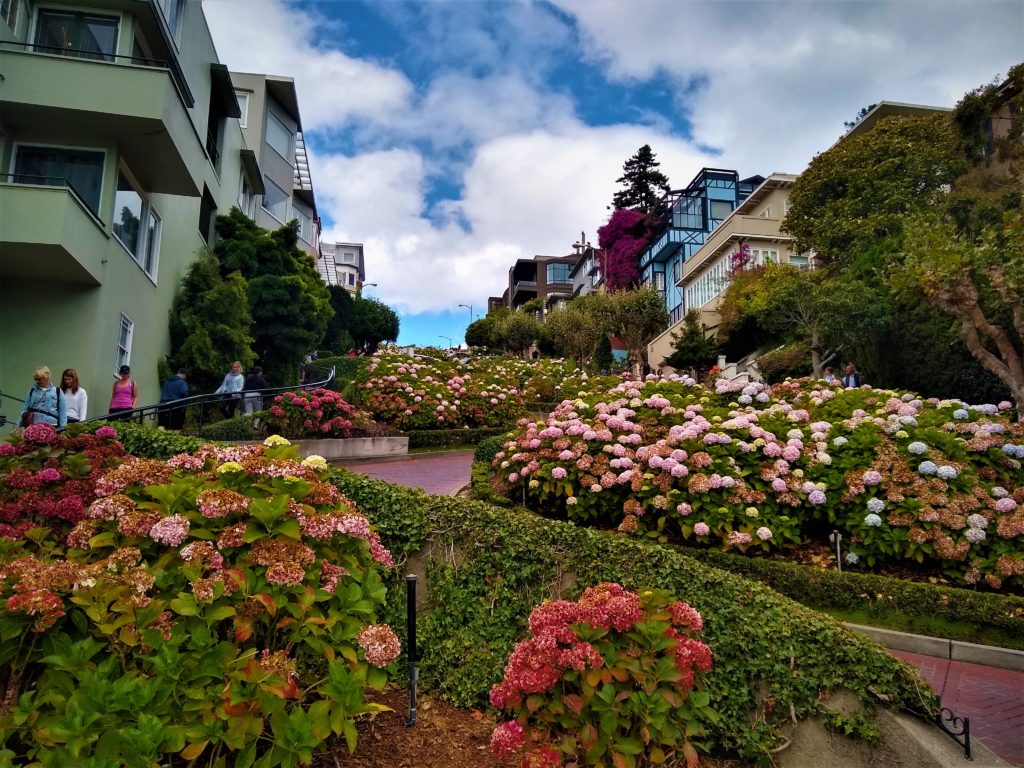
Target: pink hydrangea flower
171, 530
701, 529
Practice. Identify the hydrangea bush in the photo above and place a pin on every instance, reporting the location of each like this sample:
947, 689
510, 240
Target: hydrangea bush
614, 677
315, 413
746, 467
218, 608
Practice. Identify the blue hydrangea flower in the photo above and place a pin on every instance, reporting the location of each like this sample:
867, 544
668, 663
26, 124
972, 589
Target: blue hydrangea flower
974, 535
928, 468
999, 492
872, 520
876, 505
745, 399
851, 558
960, 413
946, 472
840, 441
917, 448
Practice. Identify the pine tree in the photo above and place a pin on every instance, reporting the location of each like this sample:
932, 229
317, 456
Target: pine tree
643, 184
692, 350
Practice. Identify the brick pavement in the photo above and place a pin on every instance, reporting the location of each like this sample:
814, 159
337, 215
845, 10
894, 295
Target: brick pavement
992, 698
442, 474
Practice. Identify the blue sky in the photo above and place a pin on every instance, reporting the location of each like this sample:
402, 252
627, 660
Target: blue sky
452, 138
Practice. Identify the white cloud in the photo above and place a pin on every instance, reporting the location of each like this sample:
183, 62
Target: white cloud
269, 37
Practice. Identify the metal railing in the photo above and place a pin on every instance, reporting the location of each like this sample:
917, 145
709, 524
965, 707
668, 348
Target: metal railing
35, 180
82, 53
196, 409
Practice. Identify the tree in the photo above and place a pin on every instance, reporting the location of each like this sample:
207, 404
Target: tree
573, 330
622, 239
692, 350
603, 359
210, 323
864, 111
858, 191
643, 184
338, 338
373, 321
640, 315
825, 311
516, 332
289, 302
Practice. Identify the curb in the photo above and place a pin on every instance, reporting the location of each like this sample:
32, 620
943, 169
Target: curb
956, 650
396, 457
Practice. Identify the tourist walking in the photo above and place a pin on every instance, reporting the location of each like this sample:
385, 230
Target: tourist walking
43, 403
124, 395
231, 389
852, 379
175, 388
252, 400
75, 396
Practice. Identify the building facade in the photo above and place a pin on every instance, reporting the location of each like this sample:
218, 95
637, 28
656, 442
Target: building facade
342, 264
755, 223
121, 140
542, 277
272, 127
691, 214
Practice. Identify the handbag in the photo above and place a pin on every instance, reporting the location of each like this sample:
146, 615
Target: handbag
28, 417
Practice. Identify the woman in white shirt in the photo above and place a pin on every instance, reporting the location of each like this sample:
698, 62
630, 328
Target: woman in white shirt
74, 395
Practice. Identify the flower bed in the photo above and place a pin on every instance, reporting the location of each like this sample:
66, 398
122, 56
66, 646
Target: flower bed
217, 607
748, 468
443, 393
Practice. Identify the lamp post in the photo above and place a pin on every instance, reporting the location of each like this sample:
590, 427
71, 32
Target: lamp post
448, 338
470, 308
364, 285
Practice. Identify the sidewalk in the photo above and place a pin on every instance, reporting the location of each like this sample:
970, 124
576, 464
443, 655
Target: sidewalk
992, 698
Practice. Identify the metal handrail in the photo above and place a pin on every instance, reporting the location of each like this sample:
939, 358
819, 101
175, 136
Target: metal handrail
201, 401
42, 181
81, 53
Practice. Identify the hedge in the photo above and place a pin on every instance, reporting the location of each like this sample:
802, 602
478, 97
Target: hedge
878, 595
439, 438
153, 443
487, 568
236, 428
346, 370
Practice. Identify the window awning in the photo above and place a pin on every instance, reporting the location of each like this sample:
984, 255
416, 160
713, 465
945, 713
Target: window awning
222, 94
251, 168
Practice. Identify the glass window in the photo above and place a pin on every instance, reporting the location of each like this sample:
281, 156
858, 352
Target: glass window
305, 225
124, 342
348, 257
152, 247
720, 209
351, 279
128, 209
275, 200
279, 137
9, 12
79, 169
247, 198
243, 105
173, 11
559, 273
77, 34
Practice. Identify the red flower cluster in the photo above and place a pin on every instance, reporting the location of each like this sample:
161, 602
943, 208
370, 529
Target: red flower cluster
319, 413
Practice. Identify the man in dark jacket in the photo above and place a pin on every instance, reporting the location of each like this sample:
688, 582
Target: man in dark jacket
175, 388
254, 382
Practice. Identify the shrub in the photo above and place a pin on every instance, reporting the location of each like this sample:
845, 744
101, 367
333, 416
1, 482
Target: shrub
748, 467
319, 413
489, 447
487, 567
220, 606
154, 443
792, 360
438, 438
236, 428
610, 675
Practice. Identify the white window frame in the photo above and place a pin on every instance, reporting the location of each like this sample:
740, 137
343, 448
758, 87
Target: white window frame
301, 216
287, 201
246, 203
178, 22
271, 117
766, 213
147, 211
123, 354
243, 99
9, 13
15, 146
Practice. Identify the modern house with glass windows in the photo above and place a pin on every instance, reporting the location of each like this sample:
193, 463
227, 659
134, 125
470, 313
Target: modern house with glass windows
120, 142
272, 126
542, 277
756, 223
342, 264
690, 215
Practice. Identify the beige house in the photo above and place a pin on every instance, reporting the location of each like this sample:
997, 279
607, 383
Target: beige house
756, 223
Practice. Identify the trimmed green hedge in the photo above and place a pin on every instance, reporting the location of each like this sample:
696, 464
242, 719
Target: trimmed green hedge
545, 408
488, 567
347, 371
440, 438
236, 428
154, 443
878, 595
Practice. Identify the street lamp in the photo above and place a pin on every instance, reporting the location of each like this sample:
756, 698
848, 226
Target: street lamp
470, 308
359, 292
449, 339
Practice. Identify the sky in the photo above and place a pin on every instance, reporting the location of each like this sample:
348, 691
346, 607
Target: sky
452, 138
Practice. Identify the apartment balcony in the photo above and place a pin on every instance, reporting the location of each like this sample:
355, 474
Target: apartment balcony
523, 291
48, 233
667, 244
726, 239
136, 105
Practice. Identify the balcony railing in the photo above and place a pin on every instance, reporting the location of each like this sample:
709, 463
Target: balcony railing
81, 53
50, 181
212, 150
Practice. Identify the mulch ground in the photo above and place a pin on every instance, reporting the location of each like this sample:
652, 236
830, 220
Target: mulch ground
443, 737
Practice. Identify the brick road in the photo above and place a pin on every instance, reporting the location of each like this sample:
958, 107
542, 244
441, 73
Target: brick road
992, 698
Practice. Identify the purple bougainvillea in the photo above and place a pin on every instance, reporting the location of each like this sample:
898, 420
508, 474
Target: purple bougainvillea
622, 240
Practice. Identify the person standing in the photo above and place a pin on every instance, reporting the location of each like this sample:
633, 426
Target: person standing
231, 389
852, 379
74, 395
43, 404
175, 388
252, 400
124, 395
